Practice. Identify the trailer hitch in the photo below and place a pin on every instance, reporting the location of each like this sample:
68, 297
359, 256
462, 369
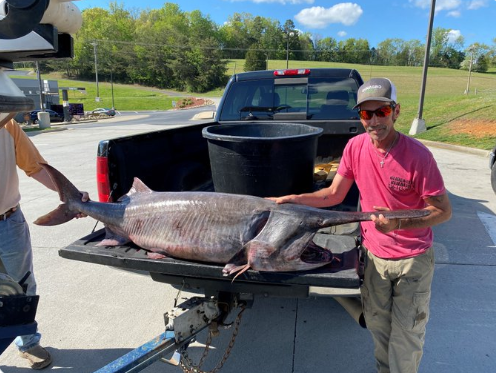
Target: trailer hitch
188, 366
183, 323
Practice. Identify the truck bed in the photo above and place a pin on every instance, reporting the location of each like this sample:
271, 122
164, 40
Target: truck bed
342, 273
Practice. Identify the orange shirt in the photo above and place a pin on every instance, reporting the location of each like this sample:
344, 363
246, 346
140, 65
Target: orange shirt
16, 149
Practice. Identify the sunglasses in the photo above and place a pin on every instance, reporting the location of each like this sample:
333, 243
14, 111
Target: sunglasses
382, 112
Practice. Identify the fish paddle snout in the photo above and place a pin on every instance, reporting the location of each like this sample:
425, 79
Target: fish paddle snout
403, 214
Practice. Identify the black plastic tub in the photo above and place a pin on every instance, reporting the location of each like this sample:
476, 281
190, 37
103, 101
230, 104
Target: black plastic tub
262, 159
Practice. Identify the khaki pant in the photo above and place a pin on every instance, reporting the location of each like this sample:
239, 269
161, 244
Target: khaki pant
396, 295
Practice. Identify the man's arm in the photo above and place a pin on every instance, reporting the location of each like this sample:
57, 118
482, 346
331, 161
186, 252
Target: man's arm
331, 196
43, 177
440, 211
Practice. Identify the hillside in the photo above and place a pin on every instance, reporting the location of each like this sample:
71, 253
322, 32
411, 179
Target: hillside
450, 114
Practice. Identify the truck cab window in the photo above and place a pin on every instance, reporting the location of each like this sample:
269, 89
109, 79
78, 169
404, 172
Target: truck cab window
332, 99
292, 97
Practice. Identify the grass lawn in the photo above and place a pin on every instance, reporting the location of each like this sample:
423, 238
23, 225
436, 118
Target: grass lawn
450, 114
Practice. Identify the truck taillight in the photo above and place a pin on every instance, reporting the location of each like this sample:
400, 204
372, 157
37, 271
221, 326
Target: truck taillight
102, 179
292, 72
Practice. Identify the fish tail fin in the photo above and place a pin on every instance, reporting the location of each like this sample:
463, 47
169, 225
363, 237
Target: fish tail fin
58, 216
67, 191
68, 194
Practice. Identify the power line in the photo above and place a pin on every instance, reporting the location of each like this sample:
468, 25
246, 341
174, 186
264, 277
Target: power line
220, 48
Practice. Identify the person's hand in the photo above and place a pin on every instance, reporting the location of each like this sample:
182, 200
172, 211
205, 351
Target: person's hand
284, 199
85, 197
381, 223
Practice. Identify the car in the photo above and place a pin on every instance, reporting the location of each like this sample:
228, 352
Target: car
492, 166
103, 111
54, 116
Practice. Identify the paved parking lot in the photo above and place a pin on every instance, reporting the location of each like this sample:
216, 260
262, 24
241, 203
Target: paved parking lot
91, 314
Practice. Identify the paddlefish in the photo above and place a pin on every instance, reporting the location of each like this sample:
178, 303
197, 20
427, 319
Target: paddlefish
239, 231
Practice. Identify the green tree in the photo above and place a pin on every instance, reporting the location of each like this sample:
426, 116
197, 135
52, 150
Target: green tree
234, 35
476, 58
388, 51
443, 48
326, 49
353, 51
481, 65
307, 48
415, 51
491, 55
255, 59
177, 49
113, 32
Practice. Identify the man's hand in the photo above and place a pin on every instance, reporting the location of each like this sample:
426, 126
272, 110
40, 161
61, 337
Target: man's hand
382, 224
85, 197
284, 199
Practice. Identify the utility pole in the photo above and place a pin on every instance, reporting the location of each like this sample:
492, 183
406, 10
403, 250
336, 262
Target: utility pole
38, 75
112, 87
288, 34
418, 124
94, 44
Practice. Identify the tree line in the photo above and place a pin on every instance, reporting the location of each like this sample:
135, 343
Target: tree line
170, 48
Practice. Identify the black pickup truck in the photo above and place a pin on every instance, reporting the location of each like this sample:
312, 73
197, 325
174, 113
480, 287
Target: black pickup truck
177, 159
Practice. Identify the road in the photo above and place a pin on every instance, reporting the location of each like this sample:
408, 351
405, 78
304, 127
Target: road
90, 314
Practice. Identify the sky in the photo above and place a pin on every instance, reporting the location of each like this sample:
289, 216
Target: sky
374, 20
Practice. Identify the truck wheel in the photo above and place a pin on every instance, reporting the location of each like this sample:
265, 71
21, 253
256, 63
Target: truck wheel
493, 176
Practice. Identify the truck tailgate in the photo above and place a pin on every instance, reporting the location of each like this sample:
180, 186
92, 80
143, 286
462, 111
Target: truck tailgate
343, 272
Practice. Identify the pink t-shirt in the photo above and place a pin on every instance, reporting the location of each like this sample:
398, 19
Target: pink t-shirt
409, 174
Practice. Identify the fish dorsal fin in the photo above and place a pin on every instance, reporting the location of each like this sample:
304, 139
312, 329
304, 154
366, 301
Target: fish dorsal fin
139, 187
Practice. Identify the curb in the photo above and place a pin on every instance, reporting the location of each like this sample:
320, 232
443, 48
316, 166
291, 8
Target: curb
204, 115
459, 148
54, 127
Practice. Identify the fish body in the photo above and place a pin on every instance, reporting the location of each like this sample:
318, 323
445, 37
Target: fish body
239, 231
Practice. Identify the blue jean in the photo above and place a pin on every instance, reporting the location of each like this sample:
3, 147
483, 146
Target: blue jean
16, 255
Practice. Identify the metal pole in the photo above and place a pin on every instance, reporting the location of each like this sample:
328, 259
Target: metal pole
96, 71
418, 124
287, 50
38, 75
426, 59
112, 88
288, 34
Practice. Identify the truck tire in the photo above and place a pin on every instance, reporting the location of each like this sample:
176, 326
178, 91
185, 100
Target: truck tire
493, 177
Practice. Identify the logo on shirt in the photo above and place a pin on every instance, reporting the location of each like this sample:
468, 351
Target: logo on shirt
399, 184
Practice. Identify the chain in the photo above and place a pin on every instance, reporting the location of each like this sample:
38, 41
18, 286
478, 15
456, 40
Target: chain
187, 364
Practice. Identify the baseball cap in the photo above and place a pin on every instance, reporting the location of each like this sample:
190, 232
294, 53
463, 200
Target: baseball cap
376, 89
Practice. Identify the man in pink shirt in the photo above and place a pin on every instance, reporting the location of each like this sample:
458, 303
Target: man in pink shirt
392, 172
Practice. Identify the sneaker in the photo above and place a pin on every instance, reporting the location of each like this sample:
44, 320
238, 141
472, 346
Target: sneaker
37, 357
